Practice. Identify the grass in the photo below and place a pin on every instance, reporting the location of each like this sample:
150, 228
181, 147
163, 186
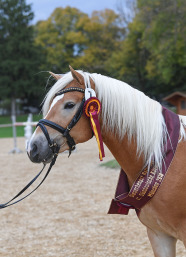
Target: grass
113, 164
7, 132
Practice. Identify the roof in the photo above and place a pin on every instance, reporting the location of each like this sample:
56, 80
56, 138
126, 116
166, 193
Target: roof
174, 95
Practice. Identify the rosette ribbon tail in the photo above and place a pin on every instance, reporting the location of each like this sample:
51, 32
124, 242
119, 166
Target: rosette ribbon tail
92, 108
97, 132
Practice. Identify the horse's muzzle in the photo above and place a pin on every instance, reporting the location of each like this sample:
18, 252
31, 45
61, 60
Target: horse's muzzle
38, 151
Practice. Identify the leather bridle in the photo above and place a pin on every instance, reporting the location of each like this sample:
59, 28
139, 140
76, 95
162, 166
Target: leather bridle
53, 145
64, 131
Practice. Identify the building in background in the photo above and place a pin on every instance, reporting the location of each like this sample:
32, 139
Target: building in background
177, 99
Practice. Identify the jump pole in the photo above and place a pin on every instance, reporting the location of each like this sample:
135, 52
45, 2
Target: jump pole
15, 149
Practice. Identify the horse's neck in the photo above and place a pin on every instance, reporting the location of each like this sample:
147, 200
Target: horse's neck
125, 154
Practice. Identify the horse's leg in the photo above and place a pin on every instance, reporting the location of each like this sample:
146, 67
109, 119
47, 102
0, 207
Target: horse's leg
163, 245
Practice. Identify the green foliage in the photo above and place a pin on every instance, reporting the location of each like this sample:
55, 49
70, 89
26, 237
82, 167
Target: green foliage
104, 35
19, 58
128, 63
165, 40
148, 53
60, 38
72, 37
153, 55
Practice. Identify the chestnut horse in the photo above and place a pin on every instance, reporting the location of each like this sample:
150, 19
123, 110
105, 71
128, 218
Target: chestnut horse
133, 129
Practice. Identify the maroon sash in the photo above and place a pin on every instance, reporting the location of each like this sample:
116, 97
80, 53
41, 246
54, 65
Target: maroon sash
148, 182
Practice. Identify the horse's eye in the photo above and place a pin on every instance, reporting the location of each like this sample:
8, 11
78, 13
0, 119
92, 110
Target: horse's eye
69, 105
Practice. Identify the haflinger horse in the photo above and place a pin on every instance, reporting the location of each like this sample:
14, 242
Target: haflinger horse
134, 129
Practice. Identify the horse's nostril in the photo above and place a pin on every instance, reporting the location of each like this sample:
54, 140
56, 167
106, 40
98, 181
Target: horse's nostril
34, 153
39, 151
34, 149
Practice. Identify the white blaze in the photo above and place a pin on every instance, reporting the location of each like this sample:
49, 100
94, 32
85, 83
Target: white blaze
56, 99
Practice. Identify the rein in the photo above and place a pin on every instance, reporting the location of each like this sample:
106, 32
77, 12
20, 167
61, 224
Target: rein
9, 203
53, 146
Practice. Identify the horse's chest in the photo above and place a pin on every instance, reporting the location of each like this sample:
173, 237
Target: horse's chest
167, 211
157, 222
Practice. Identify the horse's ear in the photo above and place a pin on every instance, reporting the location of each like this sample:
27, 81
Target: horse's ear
77, 76
56, 76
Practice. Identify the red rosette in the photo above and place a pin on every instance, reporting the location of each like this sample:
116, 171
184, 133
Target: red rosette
92, 108
92, 105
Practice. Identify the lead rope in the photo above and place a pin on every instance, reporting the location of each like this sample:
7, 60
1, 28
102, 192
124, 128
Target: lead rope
9, 203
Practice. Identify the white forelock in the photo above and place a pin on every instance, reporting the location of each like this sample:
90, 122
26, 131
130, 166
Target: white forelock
126, 110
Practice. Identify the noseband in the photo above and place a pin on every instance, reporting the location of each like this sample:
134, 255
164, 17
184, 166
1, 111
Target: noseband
64, 131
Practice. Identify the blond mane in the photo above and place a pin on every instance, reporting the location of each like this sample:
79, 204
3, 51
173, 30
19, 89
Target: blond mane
126, 110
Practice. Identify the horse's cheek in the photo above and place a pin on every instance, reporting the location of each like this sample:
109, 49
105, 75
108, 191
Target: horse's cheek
83, 131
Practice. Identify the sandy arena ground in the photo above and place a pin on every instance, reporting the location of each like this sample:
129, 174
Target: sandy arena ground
67, 216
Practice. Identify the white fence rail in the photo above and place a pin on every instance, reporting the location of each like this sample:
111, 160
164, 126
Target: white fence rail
18, 124
27, 131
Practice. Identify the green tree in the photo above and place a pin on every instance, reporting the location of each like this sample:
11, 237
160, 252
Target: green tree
60, 38
129, 61
104, 34
164, 37
19, 58
153, 54
69, 36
